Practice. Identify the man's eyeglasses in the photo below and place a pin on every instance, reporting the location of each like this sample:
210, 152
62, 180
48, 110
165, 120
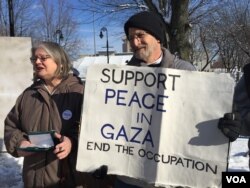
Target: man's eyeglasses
138, 36
42, 58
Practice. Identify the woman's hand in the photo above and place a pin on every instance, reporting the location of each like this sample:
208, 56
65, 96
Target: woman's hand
24, 144
62, 149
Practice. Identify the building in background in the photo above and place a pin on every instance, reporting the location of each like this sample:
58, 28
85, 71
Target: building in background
125, 45
82, 64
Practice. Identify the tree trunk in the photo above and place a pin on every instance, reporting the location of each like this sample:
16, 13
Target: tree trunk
11, 18
178, 35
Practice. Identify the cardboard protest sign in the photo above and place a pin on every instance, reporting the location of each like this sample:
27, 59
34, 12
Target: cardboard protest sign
155, 124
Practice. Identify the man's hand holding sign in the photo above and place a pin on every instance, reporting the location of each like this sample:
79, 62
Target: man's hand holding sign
158, 125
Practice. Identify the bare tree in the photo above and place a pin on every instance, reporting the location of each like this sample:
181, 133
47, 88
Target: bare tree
177, 16
21, 20
203, 52
41, 21
239, 24
11, 18
180, 26
223, 35
229, 31
3, 18
58, 25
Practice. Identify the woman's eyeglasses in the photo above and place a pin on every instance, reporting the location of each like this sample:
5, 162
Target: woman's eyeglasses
42, 58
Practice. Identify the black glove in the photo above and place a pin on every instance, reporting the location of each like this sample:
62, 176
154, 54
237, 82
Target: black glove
230, 125
101, 172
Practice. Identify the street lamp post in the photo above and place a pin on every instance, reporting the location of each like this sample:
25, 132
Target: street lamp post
104, 29
59, 36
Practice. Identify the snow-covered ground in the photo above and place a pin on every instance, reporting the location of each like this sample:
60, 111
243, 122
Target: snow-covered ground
10, 171
10, 168
239, 158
